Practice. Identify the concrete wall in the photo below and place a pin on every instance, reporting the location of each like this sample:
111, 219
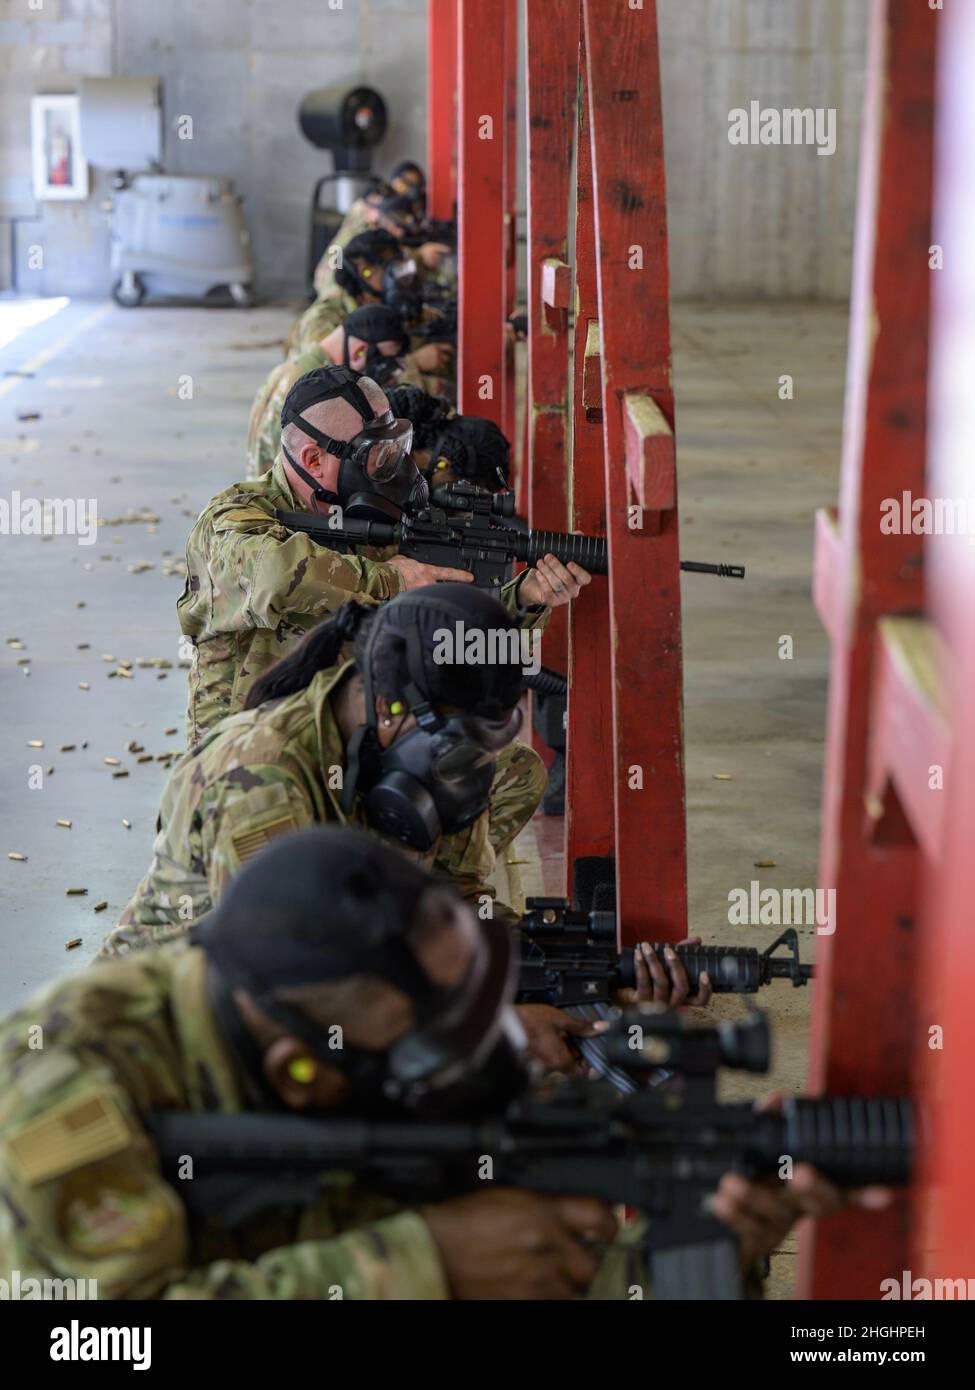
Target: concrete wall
746, 222
47, 49
760, 221
239, 68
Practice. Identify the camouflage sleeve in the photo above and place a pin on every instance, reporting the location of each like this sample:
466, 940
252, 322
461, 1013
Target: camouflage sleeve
467, 858
245, 810
395, 1258
82, 1199
535, 617
624, 1271
296, 575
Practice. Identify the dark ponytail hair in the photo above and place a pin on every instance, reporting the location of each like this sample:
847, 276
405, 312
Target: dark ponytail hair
317, 651
322, 648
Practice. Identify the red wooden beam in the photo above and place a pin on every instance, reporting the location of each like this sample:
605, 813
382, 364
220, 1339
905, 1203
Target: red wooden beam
623, 73
551, 82
865, 1002
480, 213
510, 199
909, 738
945, 1238
590, 757
441, 108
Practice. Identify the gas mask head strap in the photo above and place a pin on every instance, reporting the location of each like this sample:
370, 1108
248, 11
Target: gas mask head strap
345, 386
395, 963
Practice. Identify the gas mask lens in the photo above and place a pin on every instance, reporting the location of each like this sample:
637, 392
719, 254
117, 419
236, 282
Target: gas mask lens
491, 735
403, 273
473, 1053
385, 371
469, 744
389, 443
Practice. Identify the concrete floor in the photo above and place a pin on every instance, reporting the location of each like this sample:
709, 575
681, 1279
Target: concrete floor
147, 410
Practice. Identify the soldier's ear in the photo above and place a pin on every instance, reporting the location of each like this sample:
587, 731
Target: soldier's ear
299, 1078
357, 354
393, 720
312, 459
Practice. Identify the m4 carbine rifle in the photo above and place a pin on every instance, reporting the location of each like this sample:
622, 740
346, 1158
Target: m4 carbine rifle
568, 958
660, 1151
462, 530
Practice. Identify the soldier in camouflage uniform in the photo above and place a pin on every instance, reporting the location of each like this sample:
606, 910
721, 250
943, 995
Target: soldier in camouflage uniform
370, 340
254, 588
355, 221
361, 281
82, 1195
290, 760
405, 193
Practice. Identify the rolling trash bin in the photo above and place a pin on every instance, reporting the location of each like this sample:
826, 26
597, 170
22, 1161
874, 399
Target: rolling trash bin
175, 235
172, 235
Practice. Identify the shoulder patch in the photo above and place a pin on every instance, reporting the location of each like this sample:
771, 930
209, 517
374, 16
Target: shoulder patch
43, 1071
108, 1209
77, 1132
247, 842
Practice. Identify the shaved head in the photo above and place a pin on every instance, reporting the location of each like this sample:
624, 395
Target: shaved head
335, 417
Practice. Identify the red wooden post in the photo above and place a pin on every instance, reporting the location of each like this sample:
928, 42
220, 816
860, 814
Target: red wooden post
589, 752
946, 1238
865, 1001
441, 108
480, 227
623, 73
551, 81
509, 202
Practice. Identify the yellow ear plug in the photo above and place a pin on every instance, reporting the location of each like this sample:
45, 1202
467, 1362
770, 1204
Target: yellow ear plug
397, 707
302, 1070
443, 463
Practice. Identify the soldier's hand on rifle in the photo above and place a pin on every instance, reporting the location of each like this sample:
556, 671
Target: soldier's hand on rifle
415, 574
432, 357
431, 253
547, 1028
551, 583
657, 985
511, 1244
762, 1213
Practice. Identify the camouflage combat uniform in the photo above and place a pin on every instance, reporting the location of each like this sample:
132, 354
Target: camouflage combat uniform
354, 222
254, 588
268, 771
81, 1194
320, 319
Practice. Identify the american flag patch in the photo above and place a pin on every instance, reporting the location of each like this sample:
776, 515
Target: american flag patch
247, 843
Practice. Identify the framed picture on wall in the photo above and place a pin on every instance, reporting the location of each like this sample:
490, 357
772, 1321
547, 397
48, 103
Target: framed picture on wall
59, 164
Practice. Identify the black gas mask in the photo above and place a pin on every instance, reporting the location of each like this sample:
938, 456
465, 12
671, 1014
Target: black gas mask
384, 371
465, 1054
377, 478
437, 779
401, 288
